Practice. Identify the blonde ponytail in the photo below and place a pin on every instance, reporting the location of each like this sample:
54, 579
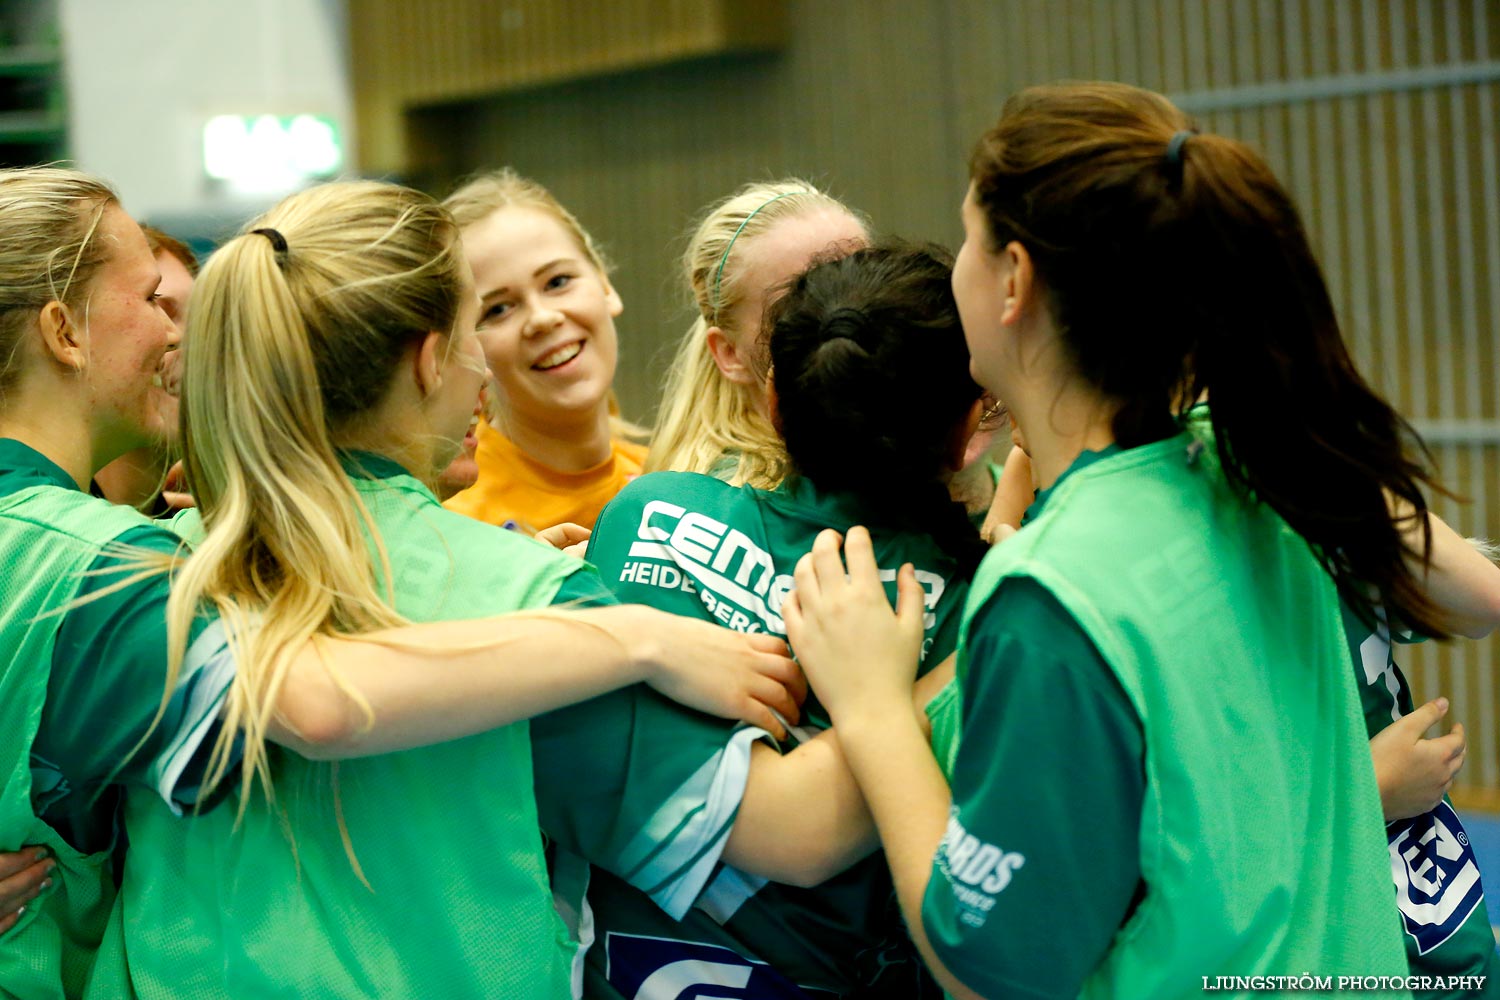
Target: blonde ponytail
285, 349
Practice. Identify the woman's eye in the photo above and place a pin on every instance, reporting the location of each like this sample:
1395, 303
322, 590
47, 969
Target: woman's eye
494, 312
558, 281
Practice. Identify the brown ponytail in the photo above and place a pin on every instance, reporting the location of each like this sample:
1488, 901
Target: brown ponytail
1175, 276
872, 383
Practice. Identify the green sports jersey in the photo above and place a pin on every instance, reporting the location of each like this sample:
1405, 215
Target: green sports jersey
1438, 888
79, 697
638, 785
1055, 690
451, 896
1055, 681
1259, 819
697, 546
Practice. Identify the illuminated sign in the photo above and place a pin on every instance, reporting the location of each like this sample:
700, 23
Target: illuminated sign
271, 153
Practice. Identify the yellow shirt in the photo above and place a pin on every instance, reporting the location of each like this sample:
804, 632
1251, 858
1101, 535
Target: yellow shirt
513, 486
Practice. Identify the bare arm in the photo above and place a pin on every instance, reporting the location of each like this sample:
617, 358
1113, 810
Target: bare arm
1013, 494
431, 683
1458, 574
803, 819
1460, 579
910, 802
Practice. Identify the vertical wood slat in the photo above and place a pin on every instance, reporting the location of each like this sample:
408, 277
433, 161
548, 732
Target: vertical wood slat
1173, 72
1433, 283
1468, 666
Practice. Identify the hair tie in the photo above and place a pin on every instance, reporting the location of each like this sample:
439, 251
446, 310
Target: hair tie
719, 274
845, 322
278, 242
1174, 147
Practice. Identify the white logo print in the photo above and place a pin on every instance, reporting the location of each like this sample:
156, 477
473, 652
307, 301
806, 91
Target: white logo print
977, 871
735, 578
1437, 879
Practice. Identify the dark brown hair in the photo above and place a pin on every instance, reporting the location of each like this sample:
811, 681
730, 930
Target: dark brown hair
1172, 276
872, 382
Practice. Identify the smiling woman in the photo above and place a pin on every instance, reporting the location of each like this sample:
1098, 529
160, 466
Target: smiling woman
550, 451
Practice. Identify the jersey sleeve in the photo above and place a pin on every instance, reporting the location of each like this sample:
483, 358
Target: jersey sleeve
1025, 894
583, 589
99, 723
637, 784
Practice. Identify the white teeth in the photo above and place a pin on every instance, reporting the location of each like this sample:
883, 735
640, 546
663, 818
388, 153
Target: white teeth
560, 356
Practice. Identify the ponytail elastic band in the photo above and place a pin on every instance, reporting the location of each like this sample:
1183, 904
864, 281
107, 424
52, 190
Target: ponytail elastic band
719, 274
1175, 144
278, 242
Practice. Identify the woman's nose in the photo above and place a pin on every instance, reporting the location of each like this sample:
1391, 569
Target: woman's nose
542, 318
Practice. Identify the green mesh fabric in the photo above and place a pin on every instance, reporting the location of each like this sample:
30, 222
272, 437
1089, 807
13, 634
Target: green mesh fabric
945, 712
48, 537
453, 900
1217, 620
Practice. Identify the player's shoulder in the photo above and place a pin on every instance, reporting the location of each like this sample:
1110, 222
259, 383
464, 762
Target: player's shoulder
668, 497
673, 485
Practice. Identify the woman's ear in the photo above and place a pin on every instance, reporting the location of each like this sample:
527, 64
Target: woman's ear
1019, 282
612, 297
732, 362
427, 362
61, 337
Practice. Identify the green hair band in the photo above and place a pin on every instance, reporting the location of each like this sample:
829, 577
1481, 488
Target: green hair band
719, 274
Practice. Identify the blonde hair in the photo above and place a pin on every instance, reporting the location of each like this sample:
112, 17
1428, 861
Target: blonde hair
705, 419
485, 194
49, 248
290, 343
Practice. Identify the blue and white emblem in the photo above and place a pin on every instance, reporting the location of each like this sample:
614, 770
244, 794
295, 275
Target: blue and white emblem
1437, 878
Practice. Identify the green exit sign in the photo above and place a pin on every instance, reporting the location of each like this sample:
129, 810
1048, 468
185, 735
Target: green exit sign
270, 153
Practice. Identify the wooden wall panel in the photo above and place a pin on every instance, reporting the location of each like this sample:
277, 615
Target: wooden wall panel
452, 49
408, 55
1381, 115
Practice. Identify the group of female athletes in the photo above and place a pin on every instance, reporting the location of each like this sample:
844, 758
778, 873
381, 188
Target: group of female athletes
1116, 714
